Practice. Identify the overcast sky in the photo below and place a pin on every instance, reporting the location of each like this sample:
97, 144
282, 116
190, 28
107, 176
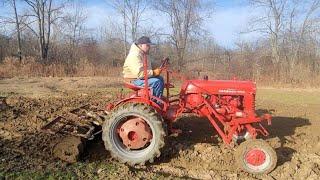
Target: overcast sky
229, 18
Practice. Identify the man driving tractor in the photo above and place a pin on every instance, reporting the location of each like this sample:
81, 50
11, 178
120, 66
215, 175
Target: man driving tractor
133, 67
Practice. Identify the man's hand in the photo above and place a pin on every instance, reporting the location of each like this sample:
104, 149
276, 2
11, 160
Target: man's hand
157, 72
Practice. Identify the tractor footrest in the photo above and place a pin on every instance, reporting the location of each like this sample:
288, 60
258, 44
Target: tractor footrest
169, 85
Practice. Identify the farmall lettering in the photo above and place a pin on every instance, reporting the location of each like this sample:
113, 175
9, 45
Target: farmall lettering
231, 91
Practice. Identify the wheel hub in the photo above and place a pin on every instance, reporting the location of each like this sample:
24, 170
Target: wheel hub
255, 157
135, 133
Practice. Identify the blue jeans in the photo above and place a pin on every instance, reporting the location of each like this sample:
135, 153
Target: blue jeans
156, 83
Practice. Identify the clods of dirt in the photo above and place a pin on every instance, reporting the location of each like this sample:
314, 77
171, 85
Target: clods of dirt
196, 153
69, 149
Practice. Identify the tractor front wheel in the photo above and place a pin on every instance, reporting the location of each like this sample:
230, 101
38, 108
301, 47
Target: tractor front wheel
256, 156
133, 133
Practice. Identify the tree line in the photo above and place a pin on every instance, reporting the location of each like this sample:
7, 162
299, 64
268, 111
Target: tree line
53, 33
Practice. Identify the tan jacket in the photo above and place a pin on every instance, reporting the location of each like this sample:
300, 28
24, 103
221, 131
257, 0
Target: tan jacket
133, 65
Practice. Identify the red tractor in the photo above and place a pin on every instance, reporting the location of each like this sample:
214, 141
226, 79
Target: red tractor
136, 126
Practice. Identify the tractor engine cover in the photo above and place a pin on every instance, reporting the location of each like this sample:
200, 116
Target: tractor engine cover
222, 87
230, 98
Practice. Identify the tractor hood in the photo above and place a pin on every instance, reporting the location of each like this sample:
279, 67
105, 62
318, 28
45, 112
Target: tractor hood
223, 87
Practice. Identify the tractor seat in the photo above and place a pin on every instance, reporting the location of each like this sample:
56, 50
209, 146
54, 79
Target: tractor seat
132, 86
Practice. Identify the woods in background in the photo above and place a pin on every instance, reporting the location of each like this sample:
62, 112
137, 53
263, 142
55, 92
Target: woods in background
51, 38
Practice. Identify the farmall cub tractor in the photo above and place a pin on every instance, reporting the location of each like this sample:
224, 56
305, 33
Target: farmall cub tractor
135, 128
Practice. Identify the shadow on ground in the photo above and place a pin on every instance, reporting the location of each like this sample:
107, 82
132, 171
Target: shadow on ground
199, 130
283, 127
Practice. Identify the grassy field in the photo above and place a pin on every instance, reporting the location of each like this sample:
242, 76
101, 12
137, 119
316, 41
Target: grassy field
289, 96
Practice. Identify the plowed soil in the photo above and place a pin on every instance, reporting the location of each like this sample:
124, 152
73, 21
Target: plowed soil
198, 153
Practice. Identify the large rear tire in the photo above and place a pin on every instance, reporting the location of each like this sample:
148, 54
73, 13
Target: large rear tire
118, 145
256, 157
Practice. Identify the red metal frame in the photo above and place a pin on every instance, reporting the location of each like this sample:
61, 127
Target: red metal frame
229, 105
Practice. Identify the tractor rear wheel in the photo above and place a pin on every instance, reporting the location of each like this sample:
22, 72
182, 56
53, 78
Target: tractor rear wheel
133, 133
256, 156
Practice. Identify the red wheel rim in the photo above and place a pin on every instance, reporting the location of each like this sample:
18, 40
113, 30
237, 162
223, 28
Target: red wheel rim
255, 157
135, 133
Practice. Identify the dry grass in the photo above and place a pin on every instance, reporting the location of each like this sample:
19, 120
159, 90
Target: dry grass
37, 87
29, 67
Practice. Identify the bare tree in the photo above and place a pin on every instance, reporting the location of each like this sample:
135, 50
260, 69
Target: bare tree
43, 13
132, 11
16, 20
287, 24
271, 22
73, 28
303, 23
185, 18
74, 24
111, 45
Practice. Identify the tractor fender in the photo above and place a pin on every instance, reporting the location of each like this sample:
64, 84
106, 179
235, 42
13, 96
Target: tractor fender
138, 100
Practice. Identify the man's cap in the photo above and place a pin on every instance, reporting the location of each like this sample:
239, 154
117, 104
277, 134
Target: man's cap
144, 40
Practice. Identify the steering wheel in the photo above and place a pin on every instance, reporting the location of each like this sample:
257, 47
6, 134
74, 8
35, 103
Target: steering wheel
164, 63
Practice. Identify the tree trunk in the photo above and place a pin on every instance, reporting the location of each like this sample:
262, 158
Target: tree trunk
125, 30
18, 29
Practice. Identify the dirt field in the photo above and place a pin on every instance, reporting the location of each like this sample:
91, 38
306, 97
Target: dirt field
198, 153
